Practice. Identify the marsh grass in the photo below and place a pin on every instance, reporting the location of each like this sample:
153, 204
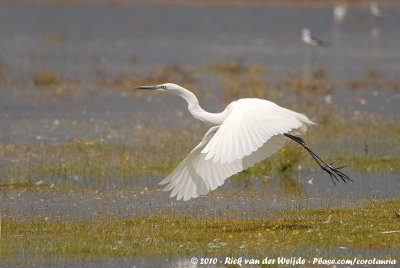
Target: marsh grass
373, 79
156, 152
318, 82
164, 233
92, 161
45, 78
370, 164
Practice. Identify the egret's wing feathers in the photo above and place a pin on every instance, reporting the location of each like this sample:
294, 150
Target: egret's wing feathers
176, 178
268, 149
196, 176
251, 123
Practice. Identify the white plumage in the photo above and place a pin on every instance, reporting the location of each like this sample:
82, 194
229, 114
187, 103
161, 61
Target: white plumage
246, 132
339, 12
375, 10
312, 40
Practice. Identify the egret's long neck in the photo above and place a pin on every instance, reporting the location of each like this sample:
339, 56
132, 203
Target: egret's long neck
198, 112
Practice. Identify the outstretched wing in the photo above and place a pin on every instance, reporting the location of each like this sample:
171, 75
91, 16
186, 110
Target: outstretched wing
196, 175
185, 181
251, 124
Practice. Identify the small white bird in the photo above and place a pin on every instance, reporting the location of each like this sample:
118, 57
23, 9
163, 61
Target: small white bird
339, 12
246, 132
311, 40
375, 10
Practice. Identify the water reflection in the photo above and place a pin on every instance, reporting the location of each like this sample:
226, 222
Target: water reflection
290, 187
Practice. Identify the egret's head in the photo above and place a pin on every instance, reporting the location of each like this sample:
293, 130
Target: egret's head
162, 87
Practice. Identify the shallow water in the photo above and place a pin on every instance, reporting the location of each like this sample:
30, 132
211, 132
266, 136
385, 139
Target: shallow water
85, 43
71, 38
246, 197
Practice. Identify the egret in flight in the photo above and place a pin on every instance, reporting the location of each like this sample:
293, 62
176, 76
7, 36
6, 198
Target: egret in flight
246, 132
311, 40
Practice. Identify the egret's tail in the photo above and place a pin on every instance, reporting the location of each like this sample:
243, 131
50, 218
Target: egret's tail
305, 122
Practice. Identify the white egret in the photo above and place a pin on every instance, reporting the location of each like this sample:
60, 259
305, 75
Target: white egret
311, 40
246, 132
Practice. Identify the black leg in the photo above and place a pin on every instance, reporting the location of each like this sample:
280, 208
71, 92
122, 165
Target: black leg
334, 172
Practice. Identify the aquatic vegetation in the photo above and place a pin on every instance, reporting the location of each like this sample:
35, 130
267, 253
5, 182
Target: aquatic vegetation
126, 82
317, 82
46, 78
25, 184
164, 233
371, 164
235, 67
156, 152
240, 80
372, 79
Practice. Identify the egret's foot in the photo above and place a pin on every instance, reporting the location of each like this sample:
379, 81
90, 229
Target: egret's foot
335, 173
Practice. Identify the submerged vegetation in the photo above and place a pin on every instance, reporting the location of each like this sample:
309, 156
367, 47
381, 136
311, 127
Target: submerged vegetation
164, 233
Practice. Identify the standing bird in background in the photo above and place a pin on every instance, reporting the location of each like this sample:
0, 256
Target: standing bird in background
246, 132
339, 12
311, 40
375, 10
